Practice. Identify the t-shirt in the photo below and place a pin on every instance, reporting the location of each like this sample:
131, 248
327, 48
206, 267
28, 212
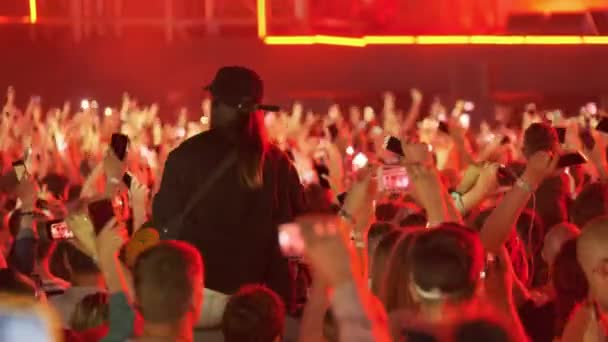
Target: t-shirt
233, 227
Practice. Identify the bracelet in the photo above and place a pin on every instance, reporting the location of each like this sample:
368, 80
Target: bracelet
522, 184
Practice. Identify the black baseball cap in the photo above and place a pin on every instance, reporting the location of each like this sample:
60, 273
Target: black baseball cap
239, 86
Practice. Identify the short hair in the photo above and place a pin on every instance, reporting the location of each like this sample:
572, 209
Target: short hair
380, 261
394, 282
413, 220
91, 312
590, 203
455, 255
163, 279
386, 211
552, 200
539, 137
253, 314
482, 329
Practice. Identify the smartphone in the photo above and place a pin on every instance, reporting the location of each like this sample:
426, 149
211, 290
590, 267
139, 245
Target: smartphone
333, 131
587, 139
19, 167
127, 179
561, 134
505, 177
119, 144
393, 179
100, 213
393, 144
59, 230
290, 240
443, 127
571, 159
602, 125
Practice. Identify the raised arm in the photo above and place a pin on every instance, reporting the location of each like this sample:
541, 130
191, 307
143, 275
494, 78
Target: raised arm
501, 221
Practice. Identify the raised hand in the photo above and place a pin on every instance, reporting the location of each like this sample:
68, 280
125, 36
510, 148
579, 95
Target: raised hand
541, 165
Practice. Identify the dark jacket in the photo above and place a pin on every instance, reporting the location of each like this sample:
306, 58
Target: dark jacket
233, 227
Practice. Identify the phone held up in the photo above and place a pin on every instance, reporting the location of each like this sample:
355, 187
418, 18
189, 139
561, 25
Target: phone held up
100, 213
58, 230
119, 144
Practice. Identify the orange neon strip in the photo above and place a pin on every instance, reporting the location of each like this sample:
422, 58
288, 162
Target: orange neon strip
405, 40
441, 40
34, 11
554, 40
497, 40
389, 40
291, 40
261, 14
436, 40
595, 40
341, 41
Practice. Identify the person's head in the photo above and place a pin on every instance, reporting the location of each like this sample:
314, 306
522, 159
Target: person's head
390, 279
387, 211
236, 93
486, 329
380, 260
569, 283
555, 239
592, 253
168, 283
539, 137
590, 203
375, 234
254, 314
413, 220
552, 200
91, 312
446, 265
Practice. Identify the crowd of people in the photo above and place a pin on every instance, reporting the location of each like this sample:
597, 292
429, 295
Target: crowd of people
237, 223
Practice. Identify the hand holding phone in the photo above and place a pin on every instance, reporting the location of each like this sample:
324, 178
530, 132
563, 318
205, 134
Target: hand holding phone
58, 230
119, 143
393, 179
571, 159
393, 145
